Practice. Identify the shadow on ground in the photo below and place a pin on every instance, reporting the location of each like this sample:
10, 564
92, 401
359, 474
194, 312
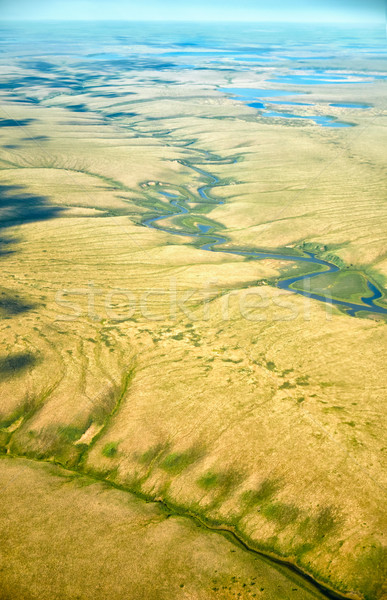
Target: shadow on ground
12, 305
15, 364
17, 207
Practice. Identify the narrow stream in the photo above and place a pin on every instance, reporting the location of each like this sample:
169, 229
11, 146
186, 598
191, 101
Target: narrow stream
212, 241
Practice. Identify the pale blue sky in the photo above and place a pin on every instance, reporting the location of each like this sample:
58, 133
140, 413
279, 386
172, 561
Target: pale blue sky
197, 10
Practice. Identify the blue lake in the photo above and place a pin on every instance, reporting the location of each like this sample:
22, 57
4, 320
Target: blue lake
288, 103
204, 228
256, 104
310, 80
350, 105
318, 119
322, 77
252, 97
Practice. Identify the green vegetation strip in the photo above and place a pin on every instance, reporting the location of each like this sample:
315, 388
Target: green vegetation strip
226, 530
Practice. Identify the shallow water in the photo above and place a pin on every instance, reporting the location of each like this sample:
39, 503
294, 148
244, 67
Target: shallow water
256, 104
323, 77
350, 105
247, 94
318, 119
291, 103
297, 79
213, 240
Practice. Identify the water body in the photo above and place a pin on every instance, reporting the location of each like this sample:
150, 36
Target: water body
286, 102
204, 228
300, 80
318, 119
256, 104
350, 105
246, 95
212, 241
323, 78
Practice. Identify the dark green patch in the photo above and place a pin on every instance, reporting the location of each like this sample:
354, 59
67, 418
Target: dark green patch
372, 560
71, 434
316, 527
178, 336
176, 462
287, 385
223, 482
266, 491
110, 450
104, 405
283, 514
147, 457
208, 481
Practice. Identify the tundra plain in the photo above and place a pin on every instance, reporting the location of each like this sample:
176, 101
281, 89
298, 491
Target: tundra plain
162, 401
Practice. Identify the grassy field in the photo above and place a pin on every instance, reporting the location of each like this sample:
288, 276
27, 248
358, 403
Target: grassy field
126, 556
133, 358
344, 285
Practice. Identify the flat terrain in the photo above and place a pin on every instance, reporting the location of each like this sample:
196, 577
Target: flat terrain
151, 369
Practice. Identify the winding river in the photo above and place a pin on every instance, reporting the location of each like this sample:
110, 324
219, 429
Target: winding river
213, 241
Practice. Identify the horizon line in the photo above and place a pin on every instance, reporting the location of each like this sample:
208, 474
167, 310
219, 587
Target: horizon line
202, 21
